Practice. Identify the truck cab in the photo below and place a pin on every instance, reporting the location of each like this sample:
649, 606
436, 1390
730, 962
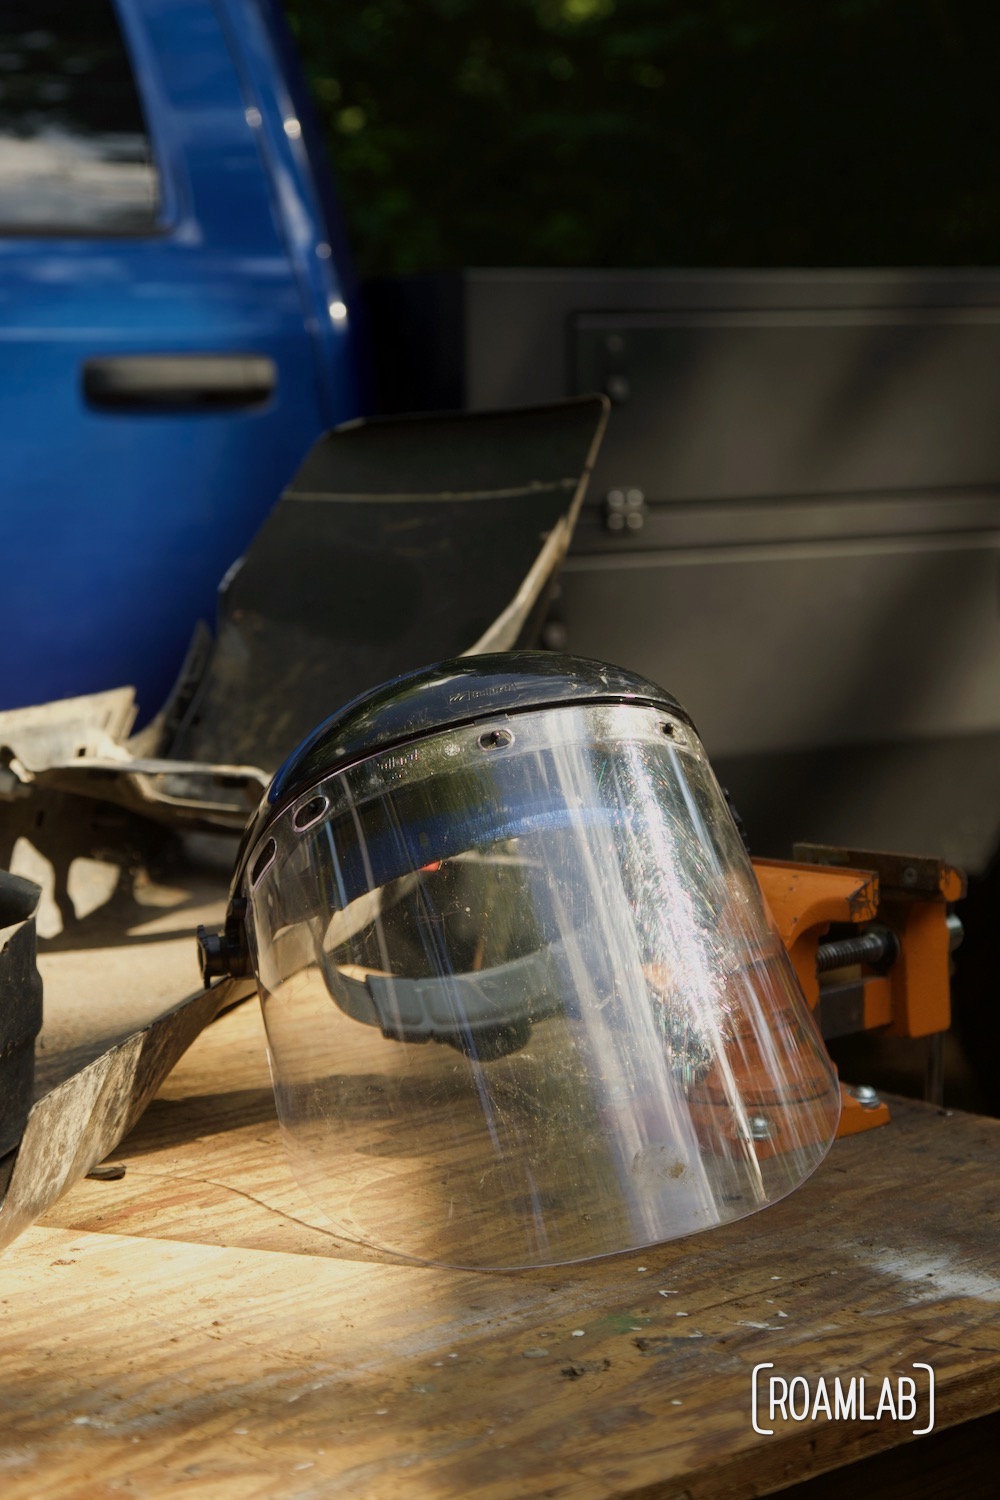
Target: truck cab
177, 324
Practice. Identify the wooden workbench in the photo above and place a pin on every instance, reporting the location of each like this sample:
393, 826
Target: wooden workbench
188, 1330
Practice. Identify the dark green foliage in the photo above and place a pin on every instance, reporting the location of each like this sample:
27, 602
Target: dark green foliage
660, 132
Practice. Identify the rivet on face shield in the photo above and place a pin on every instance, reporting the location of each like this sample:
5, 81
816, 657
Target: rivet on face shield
666, 727
495, 739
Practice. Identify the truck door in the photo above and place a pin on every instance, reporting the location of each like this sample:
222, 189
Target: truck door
164, 361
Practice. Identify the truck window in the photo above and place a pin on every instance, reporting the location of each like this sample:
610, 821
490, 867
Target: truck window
74, 151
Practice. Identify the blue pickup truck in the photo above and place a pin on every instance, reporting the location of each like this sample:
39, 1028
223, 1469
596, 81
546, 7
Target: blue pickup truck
177, 324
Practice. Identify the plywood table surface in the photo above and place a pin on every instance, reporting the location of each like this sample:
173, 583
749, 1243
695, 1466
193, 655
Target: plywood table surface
191, 1330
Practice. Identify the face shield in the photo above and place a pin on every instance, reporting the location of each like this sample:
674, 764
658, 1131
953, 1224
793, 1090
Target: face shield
524, 1004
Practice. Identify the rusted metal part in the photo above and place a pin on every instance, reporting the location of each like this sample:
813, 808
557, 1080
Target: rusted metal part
20, 1004
49, 733
74, 1127
181, 794
81, 746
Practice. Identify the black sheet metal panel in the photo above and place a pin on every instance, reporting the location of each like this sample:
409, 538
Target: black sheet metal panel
939, 794
397, 544
739, 404
816, 568
20, 1005
841, 687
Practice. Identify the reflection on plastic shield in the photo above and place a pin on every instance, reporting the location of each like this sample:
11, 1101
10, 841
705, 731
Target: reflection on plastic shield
523, 1002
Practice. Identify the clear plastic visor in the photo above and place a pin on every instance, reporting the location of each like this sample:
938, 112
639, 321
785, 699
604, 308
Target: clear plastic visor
524, 1003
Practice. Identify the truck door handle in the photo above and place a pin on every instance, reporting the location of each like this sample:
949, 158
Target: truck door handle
178, 382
